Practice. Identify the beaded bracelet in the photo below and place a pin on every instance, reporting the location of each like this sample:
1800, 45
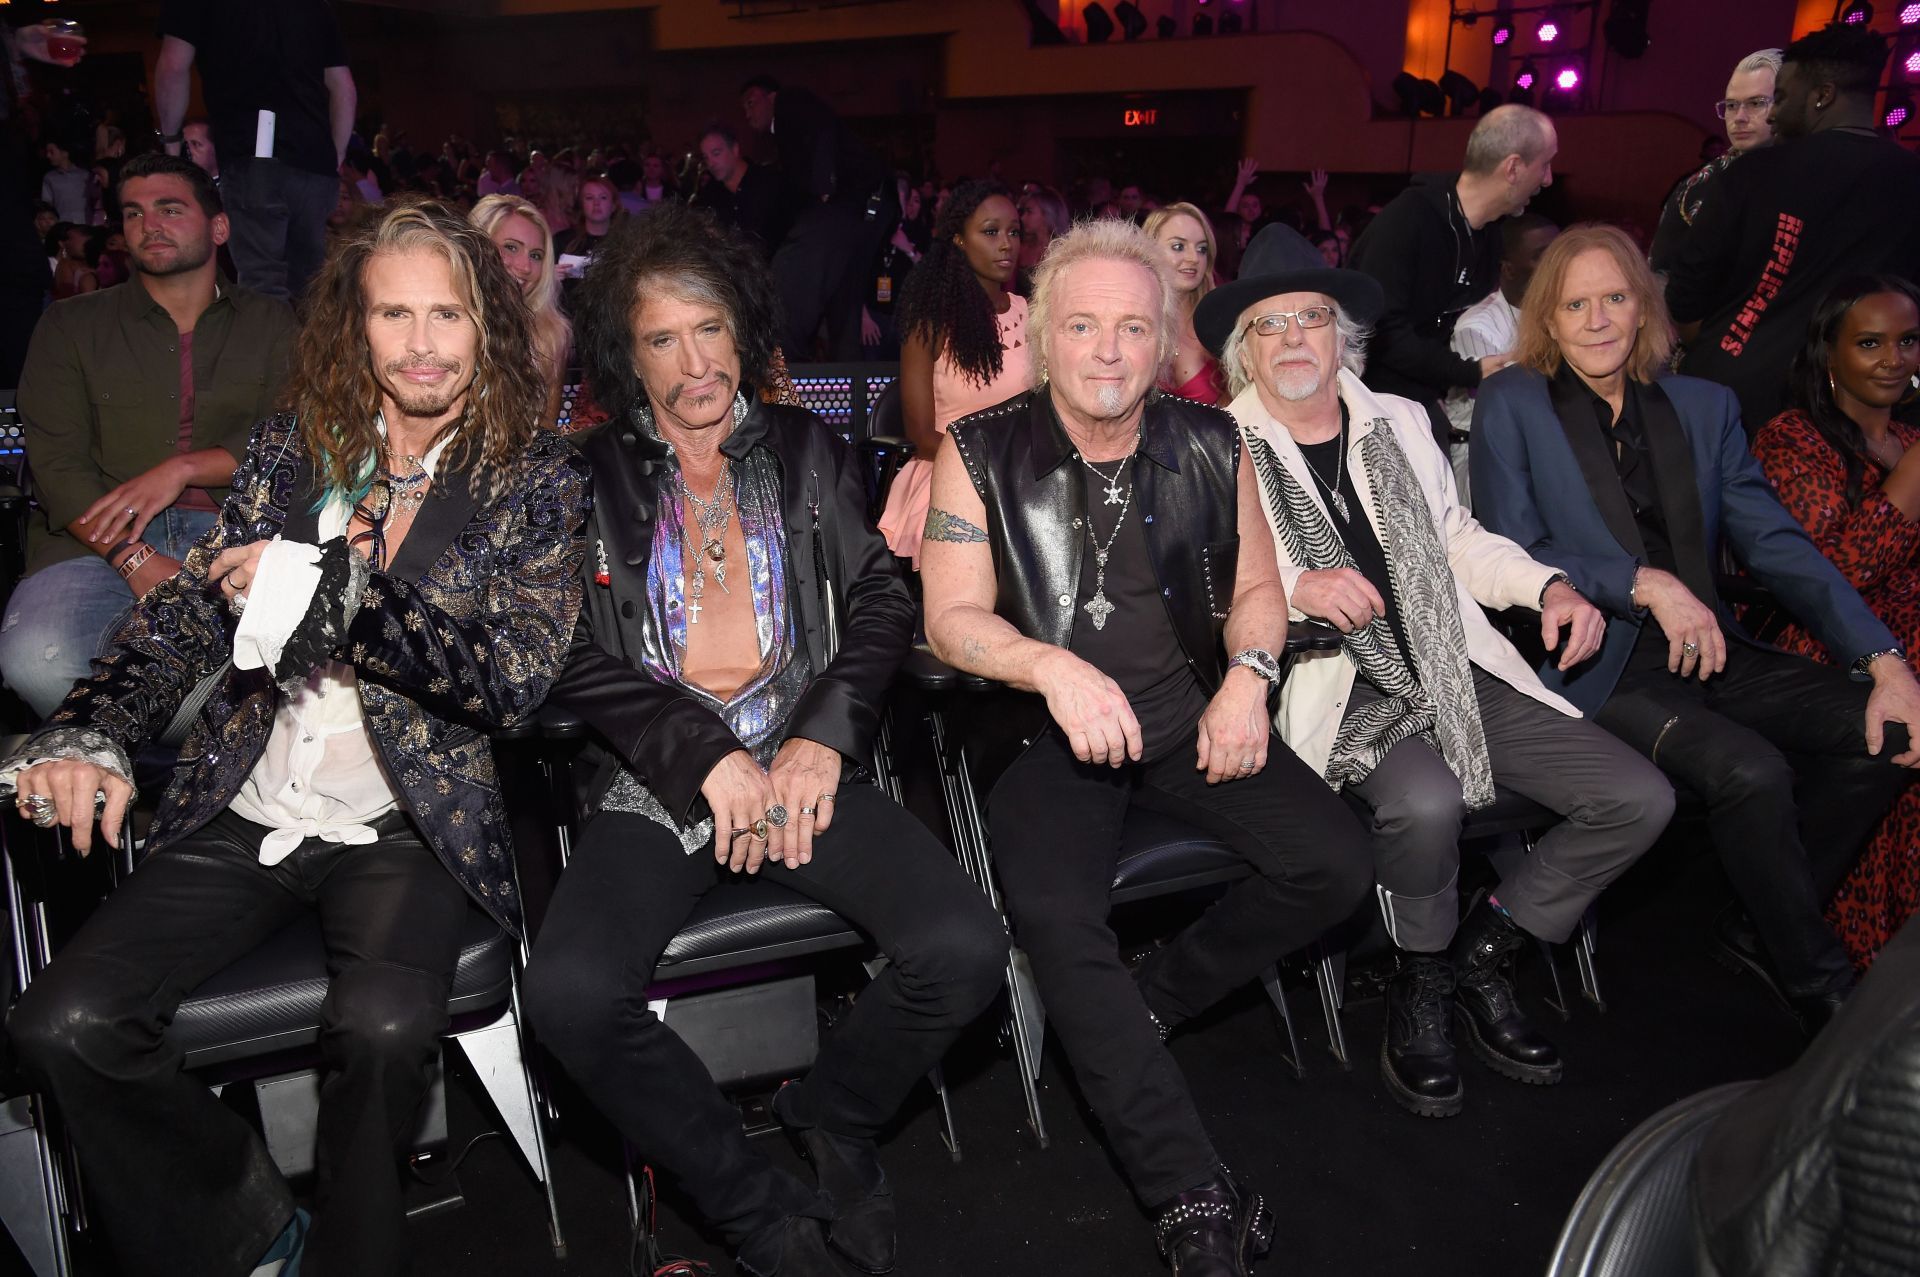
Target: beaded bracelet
133, 562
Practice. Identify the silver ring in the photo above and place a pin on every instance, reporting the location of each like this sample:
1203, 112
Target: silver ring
41, 811
806, 811
1691, 649
825, 798
237, 604
132, 513
777, 816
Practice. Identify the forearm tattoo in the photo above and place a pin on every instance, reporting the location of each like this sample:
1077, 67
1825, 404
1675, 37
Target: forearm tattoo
944, 525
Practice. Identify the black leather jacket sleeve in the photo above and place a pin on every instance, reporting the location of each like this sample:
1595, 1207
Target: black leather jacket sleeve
665, 736
874, 610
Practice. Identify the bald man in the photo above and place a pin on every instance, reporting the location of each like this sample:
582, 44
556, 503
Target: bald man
1434, 252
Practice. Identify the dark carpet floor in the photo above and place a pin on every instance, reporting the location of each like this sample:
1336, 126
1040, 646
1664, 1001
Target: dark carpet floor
1359, 1186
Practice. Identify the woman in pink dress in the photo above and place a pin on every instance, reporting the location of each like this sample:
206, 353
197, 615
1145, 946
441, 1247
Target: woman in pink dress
1186, 237
963, 341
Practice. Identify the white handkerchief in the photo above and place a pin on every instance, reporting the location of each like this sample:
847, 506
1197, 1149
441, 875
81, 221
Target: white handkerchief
277, 601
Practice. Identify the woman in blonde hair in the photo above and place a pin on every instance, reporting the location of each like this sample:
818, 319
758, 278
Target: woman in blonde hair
1186, 237
520, 232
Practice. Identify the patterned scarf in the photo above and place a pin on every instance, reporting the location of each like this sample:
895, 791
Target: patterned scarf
1437, 702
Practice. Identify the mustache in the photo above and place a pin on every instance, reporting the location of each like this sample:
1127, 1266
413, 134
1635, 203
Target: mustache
402, 365
726, 387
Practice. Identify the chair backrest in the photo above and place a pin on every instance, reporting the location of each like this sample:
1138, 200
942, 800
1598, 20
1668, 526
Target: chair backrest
1635, 1216
844, 395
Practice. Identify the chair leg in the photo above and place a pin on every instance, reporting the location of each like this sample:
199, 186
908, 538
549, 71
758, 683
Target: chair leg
30, 1189
1585, 945
1295, 1058
949, 1135
498, 1056
1558, 999
1029, 1027
1329, 974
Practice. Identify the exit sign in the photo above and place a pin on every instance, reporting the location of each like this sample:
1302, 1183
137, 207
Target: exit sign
1141, 117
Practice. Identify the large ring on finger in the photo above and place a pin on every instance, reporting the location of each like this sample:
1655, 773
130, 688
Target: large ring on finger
237, 604
1691, 649
825, 798
805, 812
1247, 764
760, 830
40, 810
777, 816
132, 513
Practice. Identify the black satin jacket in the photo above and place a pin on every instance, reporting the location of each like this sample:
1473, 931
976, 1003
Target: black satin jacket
1022, 464
669, 739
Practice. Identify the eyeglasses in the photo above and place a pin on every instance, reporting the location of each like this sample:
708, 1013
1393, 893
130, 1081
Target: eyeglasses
1745, 106
1276, 323
374, 509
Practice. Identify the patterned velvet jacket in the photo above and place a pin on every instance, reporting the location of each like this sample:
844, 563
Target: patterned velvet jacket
462, 633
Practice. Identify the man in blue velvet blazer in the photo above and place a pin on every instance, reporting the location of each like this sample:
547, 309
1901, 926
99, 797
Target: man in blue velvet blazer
1631, 486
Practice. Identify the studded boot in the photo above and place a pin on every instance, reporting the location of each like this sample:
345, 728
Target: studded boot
1216, 1230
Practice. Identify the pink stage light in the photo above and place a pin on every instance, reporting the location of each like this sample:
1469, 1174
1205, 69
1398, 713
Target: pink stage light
1913, 63
1525, 80
1568, 80
1909, 14
1549, 31
1897, 116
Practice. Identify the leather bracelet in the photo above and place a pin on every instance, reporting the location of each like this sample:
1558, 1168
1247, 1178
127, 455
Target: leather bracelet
1260, 661
168, 139
132, 563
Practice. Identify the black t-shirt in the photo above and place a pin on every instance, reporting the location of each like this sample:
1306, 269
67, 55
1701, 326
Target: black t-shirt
1782, 226
264, 55
1357, 533
757, 208
1137, 647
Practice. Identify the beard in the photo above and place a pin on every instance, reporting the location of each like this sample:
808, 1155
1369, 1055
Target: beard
424, 401
724, 392
1112, 400
188, 255
1295, 380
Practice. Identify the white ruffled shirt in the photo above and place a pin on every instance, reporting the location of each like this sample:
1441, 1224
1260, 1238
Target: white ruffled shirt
320, 776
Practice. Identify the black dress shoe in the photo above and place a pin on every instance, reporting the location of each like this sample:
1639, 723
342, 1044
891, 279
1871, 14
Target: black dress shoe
1497, 1031
794, 1247
1416, 1056
1216, 1230
1736, 946
851, 1177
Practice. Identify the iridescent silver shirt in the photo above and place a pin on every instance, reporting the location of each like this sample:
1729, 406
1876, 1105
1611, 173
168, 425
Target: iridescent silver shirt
758, 711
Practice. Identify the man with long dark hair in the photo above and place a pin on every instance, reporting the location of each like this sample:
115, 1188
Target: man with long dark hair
742, 623
394, 572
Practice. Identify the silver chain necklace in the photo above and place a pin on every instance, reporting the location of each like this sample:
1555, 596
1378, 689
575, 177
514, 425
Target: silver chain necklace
1334, 496
1099, 607
712, 517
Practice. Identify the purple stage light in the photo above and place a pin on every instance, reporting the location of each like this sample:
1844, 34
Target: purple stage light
1524, 81
1549, 31
1568, 79
1504, 32
1859, 13
1913, 63
1897, 116
1909, 14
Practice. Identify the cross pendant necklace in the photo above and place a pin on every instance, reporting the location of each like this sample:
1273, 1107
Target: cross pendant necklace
711, 516
1100, 607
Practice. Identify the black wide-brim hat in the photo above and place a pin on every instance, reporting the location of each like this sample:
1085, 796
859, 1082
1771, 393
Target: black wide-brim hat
1280, 260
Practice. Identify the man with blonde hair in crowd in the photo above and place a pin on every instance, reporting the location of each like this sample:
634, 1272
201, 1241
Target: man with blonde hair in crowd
1746, 109
1090, 545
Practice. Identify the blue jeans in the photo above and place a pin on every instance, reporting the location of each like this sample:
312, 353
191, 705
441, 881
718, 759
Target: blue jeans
61, 617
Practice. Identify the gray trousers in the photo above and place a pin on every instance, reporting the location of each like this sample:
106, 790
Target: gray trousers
1615, 803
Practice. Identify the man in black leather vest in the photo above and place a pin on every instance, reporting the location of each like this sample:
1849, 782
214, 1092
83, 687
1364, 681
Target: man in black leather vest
1090, 545
743, 621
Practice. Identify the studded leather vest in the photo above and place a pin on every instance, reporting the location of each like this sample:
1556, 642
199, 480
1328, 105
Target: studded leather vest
1022, 464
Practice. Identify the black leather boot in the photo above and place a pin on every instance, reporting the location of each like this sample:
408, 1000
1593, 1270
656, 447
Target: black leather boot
852, 1179
794, 1247
1216, 1230
1416, 1057
1490, 1016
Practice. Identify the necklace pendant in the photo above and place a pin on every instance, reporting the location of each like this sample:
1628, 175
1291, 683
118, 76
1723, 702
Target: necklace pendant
1099, 609
1113, 493
693, 612
1339, 502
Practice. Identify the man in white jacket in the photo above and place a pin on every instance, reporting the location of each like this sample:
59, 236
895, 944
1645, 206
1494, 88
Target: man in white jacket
1424, 707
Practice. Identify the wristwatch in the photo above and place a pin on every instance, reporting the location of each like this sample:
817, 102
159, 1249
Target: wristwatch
1260, 661
1553, 580
168, 139
1865, 664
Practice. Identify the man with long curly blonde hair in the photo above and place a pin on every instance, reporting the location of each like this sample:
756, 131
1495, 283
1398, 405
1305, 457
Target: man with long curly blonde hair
394, 572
